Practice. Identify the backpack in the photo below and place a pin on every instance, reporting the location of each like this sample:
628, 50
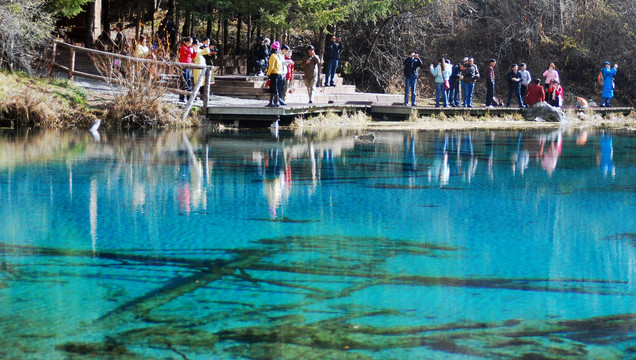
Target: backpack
600, 79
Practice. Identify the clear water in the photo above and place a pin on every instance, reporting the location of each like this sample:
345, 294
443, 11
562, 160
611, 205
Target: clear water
412, 245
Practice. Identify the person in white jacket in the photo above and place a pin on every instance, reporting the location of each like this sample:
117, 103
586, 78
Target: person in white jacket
442, 73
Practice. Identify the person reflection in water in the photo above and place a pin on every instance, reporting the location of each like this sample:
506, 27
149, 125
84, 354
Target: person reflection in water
465, 148
551, 154
277, 190
490, 143
520, 158
409, 164
184, 197
605, 158
440, 168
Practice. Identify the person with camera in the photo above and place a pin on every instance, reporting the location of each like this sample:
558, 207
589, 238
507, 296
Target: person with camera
210, 57
332, 57
608, 72
411, 66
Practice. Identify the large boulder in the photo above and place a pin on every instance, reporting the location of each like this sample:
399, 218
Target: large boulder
542, 111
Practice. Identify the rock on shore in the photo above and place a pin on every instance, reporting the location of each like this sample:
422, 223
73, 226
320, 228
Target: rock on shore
543, 111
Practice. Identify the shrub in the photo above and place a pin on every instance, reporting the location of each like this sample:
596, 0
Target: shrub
140, 90
24, 26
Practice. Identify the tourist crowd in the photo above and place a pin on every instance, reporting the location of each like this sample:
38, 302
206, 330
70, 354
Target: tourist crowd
454, 83
458, 80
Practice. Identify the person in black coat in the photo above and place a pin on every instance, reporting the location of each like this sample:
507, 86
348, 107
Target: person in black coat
411, 67
261, 55
333, 47
514, 85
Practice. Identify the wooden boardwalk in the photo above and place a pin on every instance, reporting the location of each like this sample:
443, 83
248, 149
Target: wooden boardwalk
338, 100
385, 112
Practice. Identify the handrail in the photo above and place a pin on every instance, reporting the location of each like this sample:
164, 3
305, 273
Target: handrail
204, 79
132, 58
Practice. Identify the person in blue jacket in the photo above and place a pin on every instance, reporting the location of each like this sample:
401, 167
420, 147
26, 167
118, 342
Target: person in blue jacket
608, 83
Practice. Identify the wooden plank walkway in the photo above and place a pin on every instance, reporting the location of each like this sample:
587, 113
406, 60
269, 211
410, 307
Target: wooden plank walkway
236, 114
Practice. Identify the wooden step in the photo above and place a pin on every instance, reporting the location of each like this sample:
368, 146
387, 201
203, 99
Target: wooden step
239, 84
234, 62
234, 91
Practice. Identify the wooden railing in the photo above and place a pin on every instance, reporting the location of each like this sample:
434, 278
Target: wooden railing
204, 79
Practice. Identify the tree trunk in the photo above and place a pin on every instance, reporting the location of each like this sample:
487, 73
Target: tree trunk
152, 23
561, 15
218, 29
321, 51
139, 19
191, 24
106, 15
222, 44
94, 22
186, 24
172, 9
177, 21
249, 31
208, 29
226, 36
238, 35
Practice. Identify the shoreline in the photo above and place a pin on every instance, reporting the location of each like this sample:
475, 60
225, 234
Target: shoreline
580, 121
86, 100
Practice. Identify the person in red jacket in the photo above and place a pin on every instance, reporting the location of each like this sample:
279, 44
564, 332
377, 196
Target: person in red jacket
535, 93
555, 94
186, 55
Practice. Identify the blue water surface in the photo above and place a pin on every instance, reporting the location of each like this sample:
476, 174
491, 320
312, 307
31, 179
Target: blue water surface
321, 245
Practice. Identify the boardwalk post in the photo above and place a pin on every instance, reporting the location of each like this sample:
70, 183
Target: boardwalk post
53, 56
274, 127
71, 65
206, 86
195, 91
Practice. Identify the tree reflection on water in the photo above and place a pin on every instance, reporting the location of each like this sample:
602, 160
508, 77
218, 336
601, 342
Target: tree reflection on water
259, 279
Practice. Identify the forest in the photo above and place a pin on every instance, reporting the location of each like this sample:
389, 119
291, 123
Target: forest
576, 35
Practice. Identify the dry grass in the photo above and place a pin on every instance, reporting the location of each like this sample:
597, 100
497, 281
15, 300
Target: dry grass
140, 91
331, 119
42, 102
134, 110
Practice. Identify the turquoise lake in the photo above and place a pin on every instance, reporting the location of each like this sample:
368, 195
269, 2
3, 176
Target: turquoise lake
318, 245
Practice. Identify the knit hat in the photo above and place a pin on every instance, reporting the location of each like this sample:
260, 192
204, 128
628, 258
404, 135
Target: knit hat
276, 45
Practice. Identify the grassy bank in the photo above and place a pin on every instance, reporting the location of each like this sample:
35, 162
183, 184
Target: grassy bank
57, 103
43, 102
